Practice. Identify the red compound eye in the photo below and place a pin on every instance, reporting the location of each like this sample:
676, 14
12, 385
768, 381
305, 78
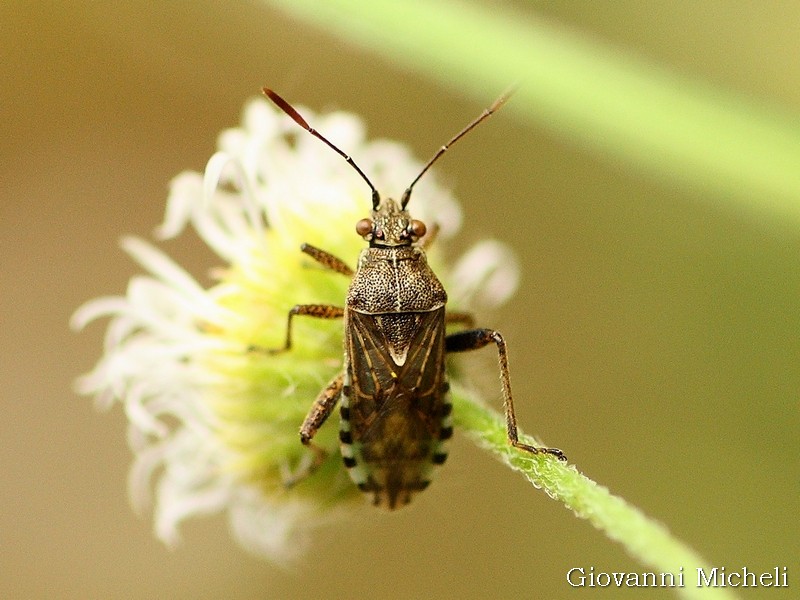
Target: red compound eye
418, 228
364, 227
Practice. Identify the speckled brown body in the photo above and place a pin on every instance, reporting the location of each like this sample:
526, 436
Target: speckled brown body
394, 407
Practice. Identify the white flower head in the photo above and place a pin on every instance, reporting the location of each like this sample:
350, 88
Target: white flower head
213, 425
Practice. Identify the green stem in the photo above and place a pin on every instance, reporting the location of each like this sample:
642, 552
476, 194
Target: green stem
728, 147
645, 539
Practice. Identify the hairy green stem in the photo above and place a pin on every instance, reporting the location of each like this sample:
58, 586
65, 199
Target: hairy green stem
645, 539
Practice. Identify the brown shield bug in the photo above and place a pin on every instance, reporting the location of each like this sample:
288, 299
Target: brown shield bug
393, 392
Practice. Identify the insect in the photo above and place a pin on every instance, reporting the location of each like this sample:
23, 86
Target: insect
393, 392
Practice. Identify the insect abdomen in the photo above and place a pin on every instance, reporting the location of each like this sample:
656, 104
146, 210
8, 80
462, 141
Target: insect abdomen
395, 410
389, 465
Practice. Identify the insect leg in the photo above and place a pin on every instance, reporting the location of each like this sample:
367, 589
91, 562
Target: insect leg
320, 311
321, 409
478, 338
328, 260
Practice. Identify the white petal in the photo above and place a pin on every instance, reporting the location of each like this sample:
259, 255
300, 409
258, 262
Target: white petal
139, 414
149, 457
487, 275
267, 529
94, 309
223, 164
184, 192
160, 265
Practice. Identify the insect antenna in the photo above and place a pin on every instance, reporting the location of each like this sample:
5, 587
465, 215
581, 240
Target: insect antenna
289, 110
487, 112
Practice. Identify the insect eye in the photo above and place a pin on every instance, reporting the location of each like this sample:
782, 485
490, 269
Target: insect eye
418, 228
364, 227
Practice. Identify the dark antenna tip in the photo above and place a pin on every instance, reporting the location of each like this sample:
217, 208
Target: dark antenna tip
297, 118
487, 112
287, 108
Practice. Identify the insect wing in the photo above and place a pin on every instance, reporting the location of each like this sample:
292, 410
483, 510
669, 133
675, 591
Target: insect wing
396, 385
397, 406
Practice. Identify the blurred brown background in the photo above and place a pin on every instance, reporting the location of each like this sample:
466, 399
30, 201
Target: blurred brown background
661, 330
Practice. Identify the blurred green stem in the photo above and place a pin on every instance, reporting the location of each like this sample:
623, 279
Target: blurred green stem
644, 539
681, 130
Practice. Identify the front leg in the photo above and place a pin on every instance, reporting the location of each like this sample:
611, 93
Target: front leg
320, 311
478, 338
327, 260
